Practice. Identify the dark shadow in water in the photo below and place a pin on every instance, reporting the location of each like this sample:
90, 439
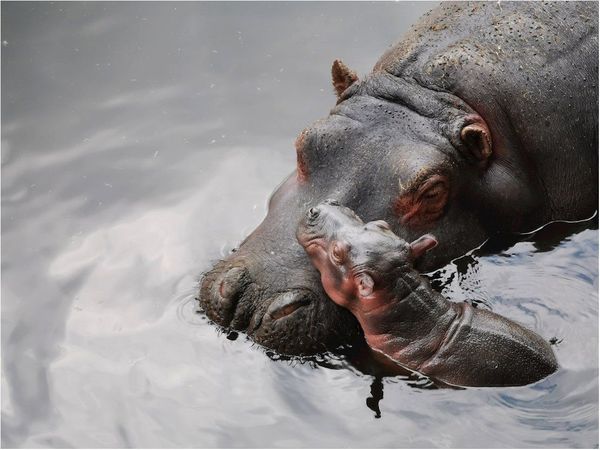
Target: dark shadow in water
376, 396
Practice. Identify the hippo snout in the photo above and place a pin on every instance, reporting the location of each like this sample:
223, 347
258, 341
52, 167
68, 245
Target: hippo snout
227, 291
221, 290
289, 302
291, 314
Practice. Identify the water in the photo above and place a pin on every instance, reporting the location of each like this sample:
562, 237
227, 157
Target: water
140, 143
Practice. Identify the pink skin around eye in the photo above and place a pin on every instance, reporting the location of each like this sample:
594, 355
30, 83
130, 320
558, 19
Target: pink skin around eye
424, 206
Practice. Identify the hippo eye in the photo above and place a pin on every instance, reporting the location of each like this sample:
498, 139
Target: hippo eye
426, 204
434, 192
339, 253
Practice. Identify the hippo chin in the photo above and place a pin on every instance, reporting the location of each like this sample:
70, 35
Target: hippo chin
483, 119
368, 270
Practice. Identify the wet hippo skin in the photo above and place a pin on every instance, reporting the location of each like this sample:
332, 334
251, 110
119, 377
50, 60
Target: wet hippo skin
368, 270
483, 119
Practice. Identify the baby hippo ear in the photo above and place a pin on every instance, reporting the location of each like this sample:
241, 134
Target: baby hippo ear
365, 285
422, 245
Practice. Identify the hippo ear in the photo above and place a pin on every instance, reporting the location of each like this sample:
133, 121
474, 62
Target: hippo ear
365, 285
422, 245
478, 142
342, 76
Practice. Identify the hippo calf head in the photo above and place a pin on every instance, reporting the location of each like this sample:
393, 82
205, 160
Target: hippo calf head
390, 149
358, 262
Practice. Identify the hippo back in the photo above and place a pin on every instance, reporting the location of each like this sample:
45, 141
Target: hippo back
530, 69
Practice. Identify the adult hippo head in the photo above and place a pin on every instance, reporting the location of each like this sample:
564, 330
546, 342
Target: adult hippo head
447, 135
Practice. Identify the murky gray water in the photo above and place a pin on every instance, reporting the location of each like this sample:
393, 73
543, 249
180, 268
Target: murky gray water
140, 142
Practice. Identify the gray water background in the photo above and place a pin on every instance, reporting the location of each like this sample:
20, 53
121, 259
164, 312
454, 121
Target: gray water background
140, 142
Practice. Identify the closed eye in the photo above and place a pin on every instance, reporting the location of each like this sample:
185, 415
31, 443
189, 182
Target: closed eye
381, 224
433, 189
339, 252
422, 206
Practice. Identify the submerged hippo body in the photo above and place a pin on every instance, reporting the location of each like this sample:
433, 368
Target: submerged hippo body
368, 270
483, 119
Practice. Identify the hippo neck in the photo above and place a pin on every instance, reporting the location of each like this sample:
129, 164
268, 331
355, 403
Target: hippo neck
409, 321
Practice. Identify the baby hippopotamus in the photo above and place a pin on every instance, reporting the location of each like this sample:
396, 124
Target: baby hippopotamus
369, 270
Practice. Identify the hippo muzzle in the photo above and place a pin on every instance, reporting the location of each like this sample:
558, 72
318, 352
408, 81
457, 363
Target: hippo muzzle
269, 290
292, 320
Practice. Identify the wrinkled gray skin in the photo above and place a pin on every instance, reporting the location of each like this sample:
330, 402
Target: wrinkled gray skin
368, 270
483, 119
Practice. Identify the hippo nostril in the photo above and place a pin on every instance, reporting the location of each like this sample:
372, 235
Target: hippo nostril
221, 292
287, 309
232, 282
313, 213
287, 303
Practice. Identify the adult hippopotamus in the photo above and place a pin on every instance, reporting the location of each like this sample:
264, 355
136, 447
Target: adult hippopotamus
483, 119
368, 270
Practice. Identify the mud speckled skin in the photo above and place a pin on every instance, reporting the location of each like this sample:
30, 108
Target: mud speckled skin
482, 119
531, 70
